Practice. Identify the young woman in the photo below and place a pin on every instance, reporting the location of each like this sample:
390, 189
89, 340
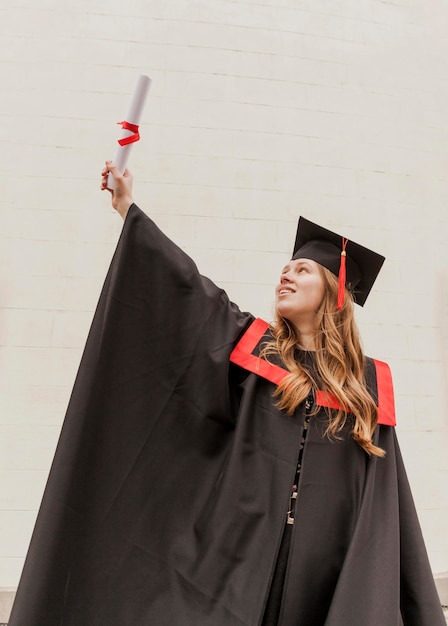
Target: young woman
214, 470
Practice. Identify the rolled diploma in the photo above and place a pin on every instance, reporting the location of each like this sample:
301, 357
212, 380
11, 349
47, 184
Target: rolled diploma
133, 117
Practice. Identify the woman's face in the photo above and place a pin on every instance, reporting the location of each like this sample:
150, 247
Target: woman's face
300, 292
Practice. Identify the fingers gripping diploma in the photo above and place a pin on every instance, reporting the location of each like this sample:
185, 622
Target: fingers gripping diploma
122, 192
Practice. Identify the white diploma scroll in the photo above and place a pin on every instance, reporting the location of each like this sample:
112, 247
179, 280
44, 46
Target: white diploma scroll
133, 117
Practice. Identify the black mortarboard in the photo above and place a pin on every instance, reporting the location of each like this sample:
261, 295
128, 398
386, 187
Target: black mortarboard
355, 266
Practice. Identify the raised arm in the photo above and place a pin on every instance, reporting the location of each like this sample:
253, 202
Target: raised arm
153, 375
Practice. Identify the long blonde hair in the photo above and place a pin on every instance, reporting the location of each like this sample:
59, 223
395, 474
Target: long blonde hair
340, 366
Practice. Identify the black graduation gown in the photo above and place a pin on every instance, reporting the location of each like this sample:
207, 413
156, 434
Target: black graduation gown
167, 497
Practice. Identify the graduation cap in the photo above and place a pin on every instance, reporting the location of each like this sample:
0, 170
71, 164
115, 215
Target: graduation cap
355, 266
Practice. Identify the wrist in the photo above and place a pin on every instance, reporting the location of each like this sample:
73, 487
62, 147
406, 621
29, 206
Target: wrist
123, 206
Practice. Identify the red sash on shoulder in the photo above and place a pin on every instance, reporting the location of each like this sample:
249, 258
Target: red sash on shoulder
243, 355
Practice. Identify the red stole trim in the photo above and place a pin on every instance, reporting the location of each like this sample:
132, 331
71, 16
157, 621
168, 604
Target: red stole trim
386, 401
243, 356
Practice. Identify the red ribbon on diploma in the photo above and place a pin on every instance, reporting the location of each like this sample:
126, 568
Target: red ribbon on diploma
132, 138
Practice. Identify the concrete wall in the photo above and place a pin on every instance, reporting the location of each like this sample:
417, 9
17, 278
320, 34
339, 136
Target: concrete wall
259, 111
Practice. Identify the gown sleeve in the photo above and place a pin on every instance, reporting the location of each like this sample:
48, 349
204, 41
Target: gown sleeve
160, 332
419, 601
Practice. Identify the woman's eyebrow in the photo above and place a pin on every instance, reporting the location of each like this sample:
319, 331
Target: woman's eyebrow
298, 263
303, 262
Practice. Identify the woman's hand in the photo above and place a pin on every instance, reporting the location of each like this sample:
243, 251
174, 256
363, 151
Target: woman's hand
122, 191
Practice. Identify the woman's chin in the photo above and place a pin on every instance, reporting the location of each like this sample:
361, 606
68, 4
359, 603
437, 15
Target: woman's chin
283, 310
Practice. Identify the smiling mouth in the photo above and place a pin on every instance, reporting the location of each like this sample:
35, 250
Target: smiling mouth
283, 291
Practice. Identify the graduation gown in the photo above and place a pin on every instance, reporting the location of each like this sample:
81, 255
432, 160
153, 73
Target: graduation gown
167, 497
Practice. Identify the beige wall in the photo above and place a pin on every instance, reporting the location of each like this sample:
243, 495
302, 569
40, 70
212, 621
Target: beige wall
259, 111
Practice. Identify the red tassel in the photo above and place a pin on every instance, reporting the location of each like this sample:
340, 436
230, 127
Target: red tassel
342, 275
